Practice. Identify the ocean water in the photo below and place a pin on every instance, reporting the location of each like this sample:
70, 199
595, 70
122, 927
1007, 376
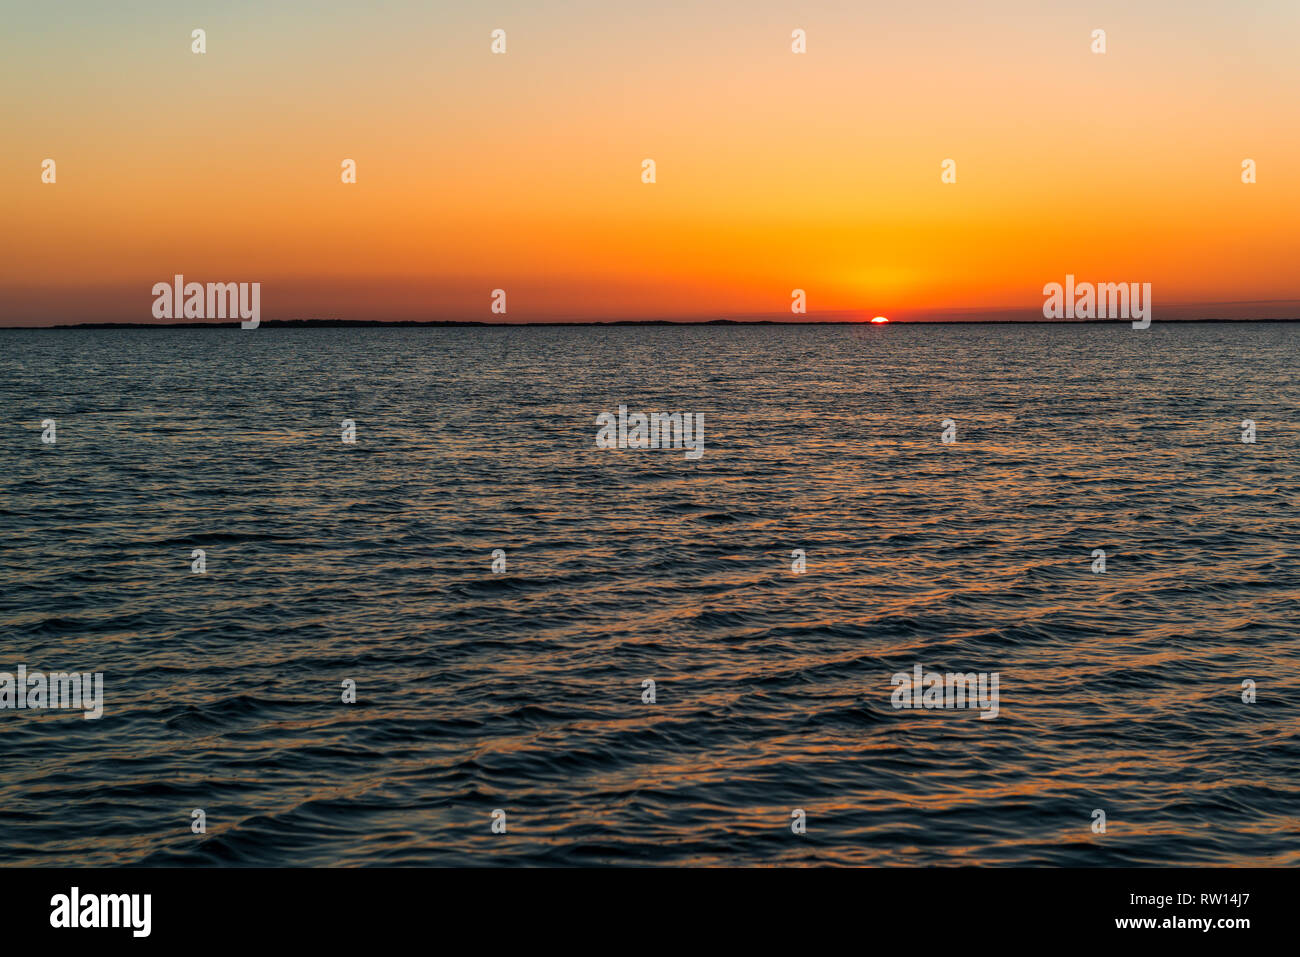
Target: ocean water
522, 690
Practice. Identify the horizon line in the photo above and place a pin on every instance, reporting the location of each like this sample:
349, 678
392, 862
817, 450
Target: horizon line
465, 323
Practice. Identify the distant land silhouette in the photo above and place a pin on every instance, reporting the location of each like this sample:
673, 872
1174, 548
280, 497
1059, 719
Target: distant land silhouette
331, 323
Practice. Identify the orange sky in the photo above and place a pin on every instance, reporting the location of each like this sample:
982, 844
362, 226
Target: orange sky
522, 171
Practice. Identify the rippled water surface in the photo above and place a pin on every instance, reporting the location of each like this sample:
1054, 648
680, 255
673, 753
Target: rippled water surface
522, 691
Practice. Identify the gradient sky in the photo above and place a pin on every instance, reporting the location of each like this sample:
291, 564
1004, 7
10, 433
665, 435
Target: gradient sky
522, 171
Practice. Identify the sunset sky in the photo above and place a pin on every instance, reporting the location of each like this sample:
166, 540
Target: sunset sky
523, 171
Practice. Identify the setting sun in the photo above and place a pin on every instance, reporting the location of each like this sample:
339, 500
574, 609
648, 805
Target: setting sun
879, 319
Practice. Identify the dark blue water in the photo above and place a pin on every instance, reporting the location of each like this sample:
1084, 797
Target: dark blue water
522, 691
